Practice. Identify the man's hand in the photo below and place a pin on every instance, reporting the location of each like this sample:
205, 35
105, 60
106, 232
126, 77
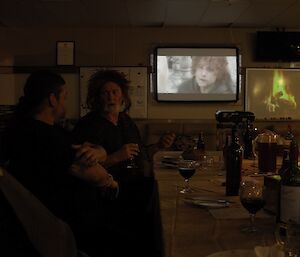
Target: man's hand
128, 151
89, 154
96, 175
166, 140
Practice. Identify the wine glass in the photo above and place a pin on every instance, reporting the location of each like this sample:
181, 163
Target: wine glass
186, 169
131, 163
252, 198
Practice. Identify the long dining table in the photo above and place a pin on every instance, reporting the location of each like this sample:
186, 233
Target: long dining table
193, 230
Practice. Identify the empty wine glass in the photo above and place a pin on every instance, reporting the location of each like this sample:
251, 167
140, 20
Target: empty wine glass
187, 169
252, 198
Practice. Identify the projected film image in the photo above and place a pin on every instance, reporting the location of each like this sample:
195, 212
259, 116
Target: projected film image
198, 74
272, 93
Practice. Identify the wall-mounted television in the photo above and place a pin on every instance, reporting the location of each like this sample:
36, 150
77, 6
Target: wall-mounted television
274, 46
273, 94
196, 74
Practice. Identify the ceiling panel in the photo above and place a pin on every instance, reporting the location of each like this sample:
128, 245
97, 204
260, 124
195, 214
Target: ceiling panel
222, 12
146, 12
290, 18
21, 13
106, 12
203, 13
185, 13
263, 13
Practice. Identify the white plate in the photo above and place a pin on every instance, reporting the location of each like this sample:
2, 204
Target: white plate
234, 253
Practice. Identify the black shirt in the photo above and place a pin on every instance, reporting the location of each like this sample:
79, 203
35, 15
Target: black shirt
40, 156
97, 130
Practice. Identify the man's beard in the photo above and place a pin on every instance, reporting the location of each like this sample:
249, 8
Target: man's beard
112, 109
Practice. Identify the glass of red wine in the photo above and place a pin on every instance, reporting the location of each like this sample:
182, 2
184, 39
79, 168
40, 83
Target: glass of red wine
187, 169
252, 199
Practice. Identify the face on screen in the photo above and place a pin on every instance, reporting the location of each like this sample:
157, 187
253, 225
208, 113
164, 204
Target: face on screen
205, 76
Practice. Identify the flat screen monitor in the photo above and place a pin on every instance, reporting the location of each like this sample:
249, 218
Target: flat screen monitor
202, 74
274, 46
273, 94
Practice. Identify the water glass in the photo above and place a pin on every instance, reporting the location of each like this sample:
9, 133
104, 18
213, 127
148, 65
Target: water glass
288, 236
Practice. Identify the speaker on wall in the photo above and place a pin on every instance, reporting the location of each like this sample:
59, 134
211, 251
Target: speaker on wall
277, 46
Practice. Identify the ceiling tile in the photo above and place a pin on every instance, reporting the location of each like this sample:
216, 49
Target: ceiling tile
146, 12
224, 13
185, 13
99, 13
261, 13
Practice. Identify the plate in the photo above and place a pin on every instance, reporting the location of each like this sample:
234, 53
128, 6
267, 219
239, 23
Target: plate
234, 253
169, 161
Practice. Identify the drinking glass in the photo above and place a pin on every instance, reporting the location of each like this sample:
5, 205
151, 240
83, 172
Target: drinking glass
131, 163
187, 169
252, 198
288, 236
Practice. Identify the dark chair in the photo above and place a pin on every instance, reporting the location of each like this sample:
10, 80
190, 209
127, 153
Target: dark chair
27, 227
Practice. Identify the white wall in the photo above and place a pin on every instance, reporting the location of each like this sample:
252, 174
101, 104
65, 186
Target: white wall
124, 47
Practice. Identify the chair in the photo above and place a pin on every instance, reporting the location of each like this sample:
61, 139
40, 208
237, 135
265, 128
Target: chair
50, 236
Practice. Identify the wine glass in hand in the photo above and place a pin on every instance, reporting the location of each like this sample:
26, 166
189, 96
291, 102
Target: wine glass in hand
186, 169
252, 198
131, 163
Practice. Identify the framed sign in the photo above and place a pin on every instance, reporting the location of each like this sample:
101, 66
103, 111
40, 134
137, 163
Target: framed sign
65, 51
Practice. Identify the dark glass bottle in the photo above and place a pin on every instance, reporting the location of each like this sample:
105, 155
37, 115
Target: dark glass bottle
290, 188
285, 161
226, 148
234, 166
248, 137
289, 135
201, 143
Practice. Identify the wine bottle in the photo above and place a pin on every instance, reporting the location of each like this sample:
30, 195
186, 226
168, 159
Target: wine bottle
248, 137
201, 143
290, 188
285, 162
226, 148
234, 166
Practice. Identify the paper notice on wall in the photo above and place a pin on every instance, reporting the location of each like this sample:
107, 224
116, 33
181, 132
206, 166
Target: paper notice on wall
138, 92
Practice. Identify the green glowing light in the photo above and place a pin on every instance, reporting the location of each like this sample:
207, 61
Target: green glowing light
280, 88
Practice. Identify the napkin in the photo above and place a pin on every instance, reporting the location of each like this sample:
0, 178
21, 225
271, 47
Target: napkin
269, 251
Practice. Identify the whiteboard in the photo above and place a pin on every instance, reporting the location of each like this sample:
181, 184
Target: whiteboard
138, 78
